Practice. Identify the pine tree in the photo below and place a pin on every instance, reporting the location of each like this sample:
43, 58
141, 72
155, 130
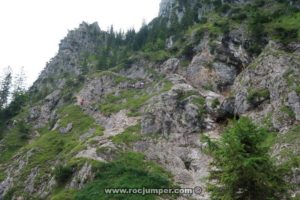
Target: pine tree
242, 168
19, 82
5, 87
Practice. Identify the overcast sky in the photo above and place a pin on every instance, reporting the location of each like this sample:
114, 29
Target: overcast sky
30, 30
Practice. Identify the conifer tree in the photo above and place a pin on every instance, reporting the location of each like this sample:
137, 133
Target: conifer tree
5, 87
242, 168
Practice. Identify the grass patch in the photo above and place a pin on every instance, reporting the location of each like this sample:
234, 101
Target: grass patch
257, 96
131, 99
2, 176
297, 90
65, 195
157, 56
167, 86
52, 146
81, 122
117, 77
12, 142
293, 140
199, 101
284, 25
288, 111
130, 135
130, 170
182, 95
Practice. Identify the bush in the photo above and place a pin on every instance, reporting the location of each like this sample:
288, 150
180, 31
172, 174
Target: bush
242, 167
23, 130
188, 51
256, 97
288, 111
63, 173
285, 35
297, 90
16, 105
215, 103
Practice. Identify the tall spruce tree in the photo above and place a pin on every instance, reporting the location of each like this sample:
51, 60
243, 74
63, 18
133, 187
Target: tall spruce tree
5, 87
19, 84
242, 168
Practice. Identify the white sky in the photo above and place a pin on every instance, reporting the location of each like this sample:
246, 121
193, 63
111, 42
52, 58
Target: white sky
30, 30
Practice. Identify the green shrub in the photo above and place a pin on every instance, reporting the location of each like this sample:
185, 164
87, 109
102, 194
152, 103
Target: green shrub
288, 111
184, 62
215, 103
285, 35
188, 51
182, 95
257, 96
297, 90
63, 173
23, 129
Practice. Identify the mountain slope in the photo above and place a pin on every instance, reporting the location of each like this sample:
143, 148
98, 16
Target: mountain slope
109, 107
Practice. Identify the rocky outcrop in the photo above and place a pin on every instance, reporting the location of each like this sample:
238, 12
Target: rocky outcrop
216, 67
180, 154
268, 86
45, 113
171, 113
64, 130
81, 40
68, 63
81, 177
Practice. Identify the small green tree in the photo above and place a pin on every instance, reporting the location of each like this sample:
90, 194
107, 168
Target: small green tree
242, 168
5, 87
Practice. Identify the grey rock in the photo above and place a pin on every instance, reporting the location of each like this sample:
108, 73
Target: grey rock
167, 113
81, 177
170, 66
95, 89
166, 6
227, 106
294, 103
271, 70
181, 155
30, 187
87, 134
137, 70
42, 114
66, 129
226, 74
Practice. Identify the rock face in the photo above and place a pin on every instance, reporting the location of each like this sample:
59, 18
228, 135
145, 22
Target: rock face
83, 39
167, 113
180, 154
69, 59
42, 114
271, 78
166, 7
